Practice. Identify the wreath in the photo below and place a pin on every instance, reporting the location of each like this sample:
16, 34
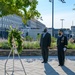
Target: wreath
14, 38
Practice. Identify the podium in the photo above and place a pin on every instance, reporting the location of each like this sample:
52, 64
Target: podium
13, 51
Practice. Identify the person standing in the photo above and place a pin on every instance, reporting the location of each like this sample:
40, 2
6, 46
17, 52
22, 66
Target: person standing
45, 42
61, 47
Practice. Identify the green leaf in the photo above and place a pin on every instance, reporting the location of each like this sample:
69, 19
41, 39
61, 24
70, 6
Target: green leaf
24, 8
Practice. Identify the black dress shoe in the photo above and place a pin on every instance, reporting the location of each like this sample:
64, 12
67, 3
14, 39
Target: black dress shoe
62, 65
59, 65
42, 62
45, 62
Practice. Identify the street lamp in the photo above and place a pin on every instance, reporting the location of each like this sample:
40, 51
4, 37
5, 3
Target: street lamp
72, 23
62, 23
52, 16
63, 1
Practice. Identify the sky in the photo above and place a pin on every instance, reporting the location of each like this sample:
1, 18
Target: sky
61, 11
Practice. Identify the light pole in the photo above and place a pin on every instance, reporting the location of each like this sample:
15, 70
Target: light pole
72, 23
63, 1
62, 23
52, 16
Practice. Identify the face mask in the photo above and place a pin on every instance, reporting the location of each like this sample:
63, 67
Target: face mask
44, 31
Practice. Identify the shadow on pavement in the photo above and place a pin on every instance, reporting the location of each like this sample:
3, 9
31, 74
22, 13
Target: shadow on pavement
67, 71
49, 70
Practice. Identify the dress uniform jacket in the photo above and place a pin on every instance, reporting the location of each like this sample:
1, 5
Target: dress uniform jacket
61, 44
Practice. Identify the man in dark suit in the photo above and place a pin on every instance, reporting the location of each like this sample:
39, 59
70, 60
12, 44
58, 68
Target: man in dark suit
45, 42
62, 47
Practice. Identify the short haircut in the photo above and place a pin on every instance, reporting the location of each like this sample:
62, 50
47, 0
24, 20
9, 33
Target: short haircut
45, 29
60, 30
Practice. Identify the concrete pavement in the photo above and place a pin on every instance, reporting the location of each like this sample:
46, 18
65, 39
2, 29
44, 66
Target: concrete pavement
33, 66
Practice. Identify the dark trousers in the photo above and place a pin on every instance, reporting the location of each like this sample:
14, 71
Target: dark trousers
45, 54
61, 56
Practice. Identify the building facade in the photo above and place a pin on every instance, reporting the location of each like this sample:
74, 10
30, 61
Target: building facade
7, 21
33, 27
73, 31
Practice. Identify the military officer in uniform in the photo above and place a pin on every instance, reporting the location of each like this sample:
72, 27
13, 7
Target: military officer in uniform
45, 42
61, 47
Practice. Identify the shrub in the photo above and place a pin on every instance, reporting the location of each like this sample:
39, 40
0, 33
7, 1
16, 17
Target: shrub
53, 45
53, 39
4, 45
34, 45
38, 37
31, 45
71, 45
28, 38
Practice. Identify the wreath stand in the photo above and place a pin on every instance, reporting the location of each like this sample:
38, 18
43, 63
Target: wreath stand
14, 51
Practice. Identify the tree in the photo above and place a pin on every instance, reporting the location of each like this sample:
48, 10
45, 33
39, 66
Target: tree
24, 8
74, 7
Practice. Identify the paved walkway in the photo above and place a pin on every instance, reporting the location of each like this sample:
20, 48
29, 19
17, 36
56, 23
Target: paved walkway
33, 66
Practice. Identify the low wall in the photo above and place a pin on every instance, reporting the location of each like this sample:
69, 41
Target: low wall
36, 52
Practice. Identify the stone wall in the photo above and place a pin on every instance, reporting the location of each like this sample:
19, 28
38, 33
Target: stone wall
36, 52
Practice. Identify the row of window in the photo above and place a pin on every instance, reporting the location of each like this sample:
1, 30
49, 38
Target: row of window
11, 19
8, 26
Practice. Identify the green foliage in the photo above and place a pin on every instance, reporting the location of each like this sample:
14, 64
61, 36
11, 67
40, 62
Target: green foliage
31, 45
34, 45
28, 38
38, 37
53, 39
16, 35
24, 8
4, 45
53, 45
71, 46
26, 45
